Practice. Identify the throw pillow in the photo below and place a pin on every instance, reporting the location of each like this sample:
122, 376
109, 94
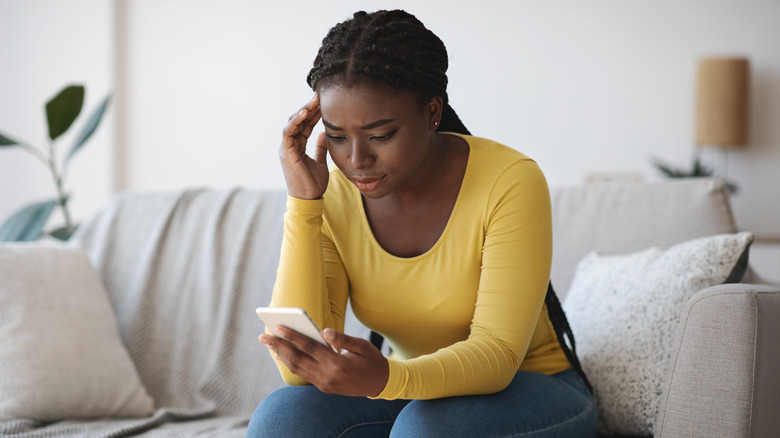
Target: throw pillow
624, 310
60, 349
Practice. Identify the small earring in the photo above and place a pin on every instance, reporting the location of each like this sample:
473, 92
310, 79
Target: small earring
435, 123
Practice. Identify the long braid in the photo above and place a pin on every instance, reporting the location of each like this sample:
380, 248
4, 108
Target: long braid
390, 47
562, 329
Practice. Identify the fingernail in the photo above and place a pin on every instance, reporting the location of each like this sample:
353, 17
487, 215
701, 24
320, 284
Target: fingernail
302, 112
280, 331
329, 334
315, 96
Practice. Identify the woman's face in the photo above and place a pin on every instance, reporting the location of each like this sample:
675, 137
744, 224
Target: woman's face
379, 138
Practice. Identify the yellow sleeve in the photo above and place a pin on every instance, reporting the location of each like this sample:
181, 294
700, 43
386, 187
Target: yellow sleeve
516, 259
310, 274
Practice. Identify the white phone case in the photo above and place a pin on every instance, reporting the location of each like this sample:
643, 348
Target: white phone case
291, 317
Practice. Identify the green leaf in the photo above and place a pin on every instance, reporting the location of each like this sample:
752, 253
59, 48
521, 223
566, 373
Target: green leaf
63, 109
27, 224
63, 233
89, 128
667, 170
5, 141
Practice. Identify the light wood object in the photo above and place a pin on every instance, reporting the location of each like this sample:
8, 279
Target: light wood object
722, 99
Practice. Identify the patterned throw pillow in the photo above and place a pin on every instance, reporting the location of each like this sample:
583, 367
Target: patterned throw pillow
624, 310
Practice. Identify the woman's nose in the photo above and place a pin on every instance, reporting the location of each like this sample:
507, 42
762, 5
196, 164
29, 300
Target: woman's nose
360, 156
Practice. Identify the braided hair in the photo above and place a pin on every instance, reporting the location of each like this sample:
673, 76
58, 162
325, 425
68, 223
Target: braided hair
562, 331
390, 48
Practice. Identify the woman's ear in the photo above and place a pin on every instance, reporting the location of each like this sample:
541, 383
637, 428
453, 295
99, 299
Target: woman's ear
433, 110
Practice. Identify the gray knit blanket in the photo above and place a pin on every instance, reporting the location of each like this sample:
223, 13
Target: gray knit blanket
184, 272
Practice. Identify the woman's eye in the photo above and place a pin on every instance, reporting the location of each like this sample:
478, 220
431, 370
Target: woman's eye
384, 137
336, 138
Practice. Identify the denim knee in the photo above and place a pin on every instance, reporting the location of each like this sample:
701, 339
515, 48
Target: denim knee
304, 411
272, 417
532, 405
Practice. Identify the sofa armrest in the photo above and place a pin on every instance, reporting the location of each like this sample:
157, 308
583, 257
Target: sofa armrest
723, 378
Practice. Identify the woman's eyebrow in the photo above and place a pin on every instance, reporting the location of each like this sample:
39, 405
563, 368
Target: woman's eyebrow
371, 125
377, 124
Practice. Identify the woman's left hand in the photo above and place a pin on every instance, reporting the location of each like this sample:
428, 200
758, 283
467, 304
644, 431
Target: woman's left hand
359, 370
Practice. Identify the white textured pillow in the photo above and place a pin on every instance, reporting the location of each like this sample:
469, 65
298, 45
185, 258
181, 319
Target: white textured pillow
60, 352
624, 310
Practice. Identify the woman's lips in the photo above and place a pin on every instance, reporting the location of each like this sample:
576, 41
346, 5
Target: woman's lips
367, 184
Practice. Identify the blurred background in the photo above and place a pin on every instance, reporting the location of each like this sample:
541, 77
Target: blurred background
202, 88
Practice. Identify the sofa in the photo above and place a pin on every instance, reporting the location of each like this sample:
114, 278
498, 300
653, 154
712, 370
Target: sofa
183, 271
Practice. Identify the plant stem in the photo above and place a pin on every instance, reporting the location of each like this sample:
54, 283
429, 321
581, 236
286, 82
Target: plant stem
58, 183
35, 151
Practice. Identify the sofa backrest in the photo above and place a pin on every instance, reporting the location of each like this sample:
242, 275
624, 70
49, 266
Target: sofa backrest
185, 270
624, 217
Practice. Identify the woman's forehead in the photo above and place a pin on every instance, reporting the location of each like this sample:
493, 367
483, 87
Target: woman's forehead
366, 92
362, 105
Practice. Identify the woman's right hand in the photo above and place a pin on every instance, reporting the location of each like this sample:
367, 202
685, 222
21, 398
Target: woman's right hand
306, 178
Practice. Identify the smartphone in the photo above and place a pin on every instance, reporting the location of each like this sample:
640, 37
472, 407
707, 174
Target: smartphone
293, 318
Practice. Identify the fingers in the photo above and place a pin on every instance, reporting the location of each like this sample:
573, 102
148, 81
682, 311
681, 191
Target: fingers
269, 342
343, 341
306, 177
289, 339
308, 124
308, 108
361, 370
322, 148
300, 125
302, 342
298, 361
306, 117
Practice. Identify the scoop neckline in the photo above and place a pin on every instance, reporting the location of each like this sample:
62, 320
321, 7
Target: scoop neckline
450, 219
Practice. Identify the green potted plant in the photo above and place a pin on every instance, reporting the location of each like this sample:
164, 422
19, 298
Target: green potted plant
62, 110
698, 170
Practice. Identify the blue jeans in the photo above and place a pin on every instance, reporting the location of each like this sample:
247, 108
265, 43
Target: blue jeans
533, 404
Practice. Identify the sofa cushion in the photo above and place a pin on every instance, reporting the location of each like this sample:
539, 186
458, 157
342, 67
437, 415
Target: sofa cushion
624, 310
620, 218
60, 350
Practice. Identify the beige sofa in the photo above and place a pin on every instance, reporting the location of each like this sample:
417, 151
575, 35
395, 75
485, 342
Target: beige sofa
185, 270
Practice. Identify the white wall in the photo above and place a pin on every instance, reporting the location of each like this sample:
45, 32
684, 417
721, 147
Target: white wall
45, 45
596, 86
204, 87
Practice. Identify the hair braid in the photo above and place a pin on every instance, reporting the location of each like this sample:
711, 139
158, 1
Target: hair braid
562, 331
390, 47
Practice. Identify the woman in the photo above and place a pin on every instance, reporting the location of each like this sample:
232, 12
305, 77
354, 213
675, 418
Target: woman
440, 240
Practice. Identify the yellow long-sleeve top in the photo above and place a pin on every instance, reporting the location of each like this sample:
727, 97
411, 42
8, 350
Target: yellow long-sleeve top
463, 317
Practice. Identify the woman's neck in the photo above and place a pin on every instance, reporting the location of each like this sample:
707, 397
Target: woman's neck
440, 171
